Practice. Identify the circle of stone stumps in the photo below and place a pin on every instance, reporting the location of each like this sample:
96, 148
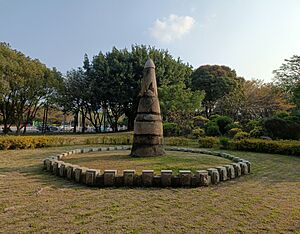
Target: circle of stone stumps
166, 178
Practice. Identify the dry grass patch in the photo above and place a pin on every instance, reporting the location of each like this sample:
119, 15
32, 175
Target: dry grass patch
267, 201
120, 160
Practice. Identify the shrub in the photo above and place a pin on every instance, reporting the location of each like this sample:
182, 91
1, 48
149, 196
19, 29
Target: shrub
282, 114
176, 141
252, 124
282, 129
214, 117
171, 129
198, 132
223, 122
231, 126
28, 142
287, 147
185, 130
212, 129
232, 132
224, 143
257, 132
208, 142
31, 142
200, 121
241, 135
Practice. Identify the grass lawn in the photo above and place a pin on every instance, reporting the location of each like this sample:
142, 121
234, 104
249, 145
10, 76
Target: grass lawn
267, 201
120, 160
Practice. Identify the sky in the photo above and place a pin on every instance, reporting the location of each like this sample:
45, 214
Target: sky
253, 37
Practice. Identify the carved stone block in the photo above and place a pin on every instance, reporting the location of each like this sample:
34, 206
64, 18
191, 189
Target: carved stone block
203, 176
147, 177
185, 177
214, 174
128, 177
166, 178
109, 177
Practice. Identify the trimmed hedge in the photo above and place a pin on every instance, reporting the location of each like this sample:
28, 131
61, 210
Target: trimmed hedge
208, 142
267, 146
31, 142
179, 141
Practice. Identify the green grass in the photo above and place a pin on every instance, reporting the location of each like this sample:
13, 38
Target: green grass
120, 160
33, 201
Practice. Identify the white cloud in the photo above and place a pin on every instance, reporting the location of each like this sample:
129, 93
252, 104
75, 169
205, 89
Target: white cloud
171, 28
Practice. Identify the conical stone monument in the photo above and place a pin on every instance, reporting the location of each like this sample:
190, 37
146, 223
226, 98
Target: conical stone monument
148, 129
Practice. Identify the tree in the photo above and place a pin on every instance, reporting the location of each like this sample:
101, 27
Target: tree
25, 84
232, 104
288, 75
178, 103
252, 99
73, 93
216, 81
263, 100
118, 74
296, 95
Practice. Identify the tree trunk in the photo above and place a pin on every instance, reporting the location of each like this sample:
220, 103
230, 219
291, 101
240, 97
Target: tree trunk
82, 121
18, 128
46, 117
130, 124
75, 121
6, 128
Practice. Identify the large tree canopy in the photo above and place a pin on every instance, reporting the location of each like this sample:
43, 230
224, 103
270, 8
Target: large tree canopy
25, 85
287, 77
110, 84
216, 81
253, 99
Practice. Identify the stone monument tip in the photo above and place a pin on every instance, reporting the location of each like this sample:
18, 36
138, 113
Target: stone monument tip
149, 63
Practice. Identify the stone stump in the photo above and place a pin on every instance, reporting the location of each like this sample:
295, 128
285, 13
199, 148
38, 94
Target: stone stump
185, 177
214, 174
147, 177
166, 178
203, 176
128, 177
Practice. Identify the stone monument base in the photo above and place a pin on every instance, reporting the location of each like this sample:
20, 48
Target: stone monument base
147, 150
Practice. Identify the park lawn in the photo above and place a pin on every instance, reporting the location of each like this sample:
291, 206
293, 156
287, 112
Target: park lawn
120, 160
31, 200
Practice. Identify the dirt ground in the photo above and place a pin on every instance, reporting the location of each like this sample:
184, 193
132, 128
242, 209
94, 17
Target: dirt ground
33, 201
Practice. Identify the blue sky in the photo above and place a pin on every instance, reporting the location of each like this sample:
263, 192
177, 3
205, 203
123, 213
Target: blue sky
252, 37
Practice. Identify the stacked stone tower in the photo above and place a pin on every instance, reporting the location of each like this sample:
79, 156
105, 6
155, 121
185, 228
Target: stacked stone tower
148, 129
